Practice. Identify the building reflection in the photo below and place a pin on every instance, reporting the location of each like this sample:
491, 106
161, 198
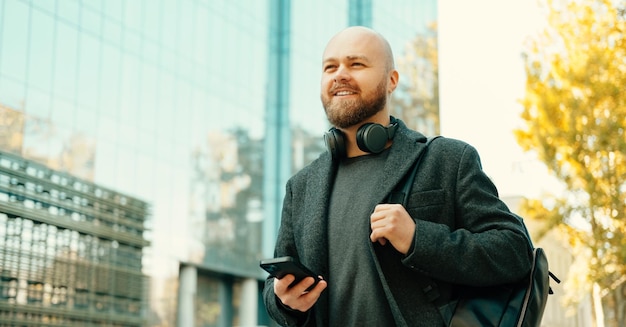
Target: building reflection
70, 251
175, 110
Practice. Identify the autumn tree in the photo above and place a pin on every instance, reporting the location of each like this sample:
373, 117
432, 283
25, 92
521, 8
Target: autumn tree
11, 129
416, 99
574, 114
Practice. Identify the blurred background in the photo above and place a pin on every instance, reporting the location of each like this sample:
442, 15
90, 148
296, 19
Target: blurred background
145, 145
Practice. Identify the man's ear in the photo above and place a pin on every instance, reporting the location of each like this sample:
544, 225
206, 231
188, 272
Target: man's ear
393, 81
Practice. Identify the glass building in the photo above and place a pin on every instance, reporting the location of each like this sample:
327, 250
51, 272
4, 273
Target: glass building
70, 250
197, 110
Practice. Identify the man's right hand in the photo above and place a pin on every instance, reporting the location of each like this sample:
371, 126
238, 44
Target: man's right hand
296, 297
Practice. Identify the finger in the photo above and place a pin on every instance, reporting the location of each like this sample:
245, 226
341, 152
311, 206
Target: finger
383, 206
379, 221
316, 291
379, 211
303, 285
281, 285
378, 235
316, 288
378, 218
380, 240
299, 300
382, 211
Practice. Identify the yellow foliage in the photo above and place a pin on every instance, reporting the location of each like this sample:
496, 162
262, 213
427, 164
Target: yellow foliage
574, 118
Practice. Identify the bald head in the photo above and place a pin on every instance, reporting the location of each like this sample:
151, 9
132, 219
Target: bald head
359, 35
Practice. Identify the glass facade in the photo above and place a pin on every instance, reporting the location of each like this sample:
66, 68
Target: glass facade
70, 250
200, 108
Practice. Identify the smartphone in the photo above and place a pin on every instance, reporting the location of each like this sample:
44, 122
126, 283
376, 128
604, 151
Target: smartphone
279, 267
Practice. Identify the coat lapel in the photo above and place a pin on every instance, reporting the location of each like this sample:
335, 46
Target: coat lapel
405, 150
318, 194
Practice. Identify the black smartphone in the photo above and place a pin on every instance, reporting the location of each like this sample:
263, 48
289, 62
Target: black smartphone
279, 267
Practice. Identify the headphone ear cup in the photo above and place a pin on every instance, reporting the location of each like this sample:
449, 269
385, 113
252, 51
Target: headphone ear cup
372, 138
335, 143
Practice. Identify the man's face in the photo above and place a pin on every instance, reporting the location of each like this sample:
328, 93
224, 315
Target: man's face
354, 82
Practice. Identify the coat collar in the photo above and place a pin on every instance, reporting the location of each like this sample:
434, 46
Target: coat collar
405, 149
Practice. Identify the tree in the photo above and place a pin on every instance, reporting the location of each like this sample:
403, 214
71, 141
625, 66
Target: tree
574, 113
11, 129
416, 99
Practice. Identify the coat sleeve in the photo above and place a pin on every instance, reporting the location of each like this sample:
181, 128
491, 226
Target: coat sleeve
284, 246
465, 234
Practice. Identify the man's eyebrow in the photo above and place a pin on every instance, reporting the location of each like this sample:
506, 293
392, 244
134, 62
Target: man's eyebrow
327, 60
350, 58
357, 57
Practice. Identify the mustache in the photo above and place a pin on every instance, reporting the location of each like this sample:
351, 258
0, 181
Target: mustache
343, 87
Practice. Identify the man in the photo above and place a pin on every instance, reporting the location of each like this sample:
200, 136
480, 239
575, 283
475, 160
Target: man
373, 256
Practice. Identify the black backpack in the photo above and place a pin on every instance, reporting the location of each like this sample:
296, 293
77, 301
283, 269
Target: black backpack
520, 304
513, 305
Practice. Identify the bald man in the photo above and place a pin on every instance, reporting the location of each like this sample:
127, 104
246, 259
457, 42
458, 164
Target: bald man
372, 256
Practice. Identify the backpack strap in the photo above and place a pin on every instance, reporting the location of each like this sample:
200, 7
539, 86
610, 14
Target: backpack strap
402, 191
401, 195
532, 246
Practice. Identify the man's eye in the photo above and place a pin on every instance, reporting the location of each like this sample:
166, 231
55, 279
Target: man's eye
357, 64
329, 67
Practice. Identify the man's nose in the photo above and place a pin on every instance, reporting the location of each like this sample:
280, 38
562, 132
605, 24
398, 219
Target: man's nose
342, 74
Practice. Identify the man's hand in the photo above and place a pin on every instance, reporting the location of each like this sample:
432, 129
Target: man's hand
391, 222
296, 297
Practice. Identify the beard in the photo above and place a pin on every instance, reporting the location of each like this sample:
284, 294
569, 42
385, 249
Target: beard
346, 113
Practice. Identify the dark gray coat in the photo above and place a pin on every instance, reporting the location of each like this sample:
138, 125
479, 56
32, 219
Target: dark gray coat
464, 233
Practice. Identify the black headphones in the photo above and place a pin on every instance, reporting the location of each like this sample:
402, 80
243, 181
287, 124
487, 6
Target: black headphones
370, 137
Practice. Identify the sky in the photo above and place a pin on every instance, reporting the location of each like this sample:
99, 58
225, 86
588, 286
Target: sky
482, 79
